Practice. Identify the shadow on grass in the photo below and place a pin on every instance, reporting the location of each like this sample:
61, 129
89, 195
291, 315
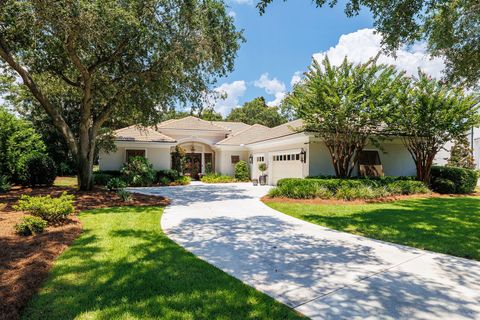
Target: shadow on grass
446, 225
123, 266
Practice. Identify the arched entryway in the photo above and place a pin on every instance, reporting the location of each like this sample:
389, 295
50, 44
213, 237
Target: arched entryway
199, 158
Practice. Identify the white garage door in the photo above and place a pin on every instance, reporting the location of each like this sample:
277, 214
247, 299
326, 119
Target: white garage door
286, 165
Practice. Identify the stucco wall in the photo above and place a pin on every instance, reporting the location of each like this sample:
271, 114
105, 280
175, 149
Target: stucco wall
224, 161
158, 156
396, 159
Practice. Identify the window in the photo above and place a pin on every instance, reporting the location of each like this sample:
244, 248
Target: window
260, 159
287, 157
369, 164
235, 159
134, 153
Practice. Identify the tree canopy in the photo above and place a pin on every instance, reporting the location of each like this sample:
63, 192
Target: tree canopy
257, 111
115, 58
450, 28
346, 106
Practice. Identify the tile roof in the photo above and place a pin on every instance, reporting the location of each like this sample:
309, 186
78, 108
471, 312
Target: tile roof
246, 136
191, 123
282, 130
234, 127
140, 134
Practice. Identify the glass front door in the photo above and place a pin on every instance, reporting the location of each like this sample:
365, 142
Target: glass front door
193, 165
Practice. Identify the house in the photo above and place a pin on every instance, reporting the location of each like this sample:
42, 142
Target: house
476, 152
218, 145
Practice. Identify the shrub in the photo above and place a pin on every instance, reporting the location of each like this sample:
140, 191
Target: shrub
66, 169
138, 172
164, 181
181, 181
101, 179
5, 185
115, 184
241, 171
347, 189
262, 167
46, 207
37, 170
30, 225
464, 180
169, 174
217, 178
124, 195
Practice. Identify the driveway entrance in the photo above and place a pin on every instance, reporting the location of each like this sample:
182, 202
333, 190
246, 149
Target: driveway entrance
322, 273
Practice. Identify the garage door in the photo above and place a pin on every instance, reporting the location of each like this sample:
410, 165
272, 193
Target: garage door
286, 165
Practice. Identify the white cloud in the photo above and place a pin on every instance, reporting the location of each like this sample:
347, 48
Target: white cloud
273, 87
233, 92
296, 78
249, 2
361, 45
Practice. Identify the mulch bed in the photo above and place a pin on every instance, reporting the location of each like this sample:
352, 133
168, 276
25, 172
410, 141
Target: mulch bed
25, 261
378, 200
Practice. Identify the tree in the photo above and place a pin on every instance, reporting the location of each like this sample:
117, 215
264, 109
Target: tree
432, 114
257, 111
461, 154
18, 140
450, 28
115, 59
346, 106
210, 115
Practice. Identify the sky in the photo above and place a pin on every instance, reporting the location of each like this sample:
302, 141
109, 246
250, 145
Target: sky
280, 46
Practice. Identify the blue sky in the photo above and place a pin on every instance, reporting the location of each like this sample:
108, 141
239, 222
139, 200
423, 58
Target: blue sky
280, 45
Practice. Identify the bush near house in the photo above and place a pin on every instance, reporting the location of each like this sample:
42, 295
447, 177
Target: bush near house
346, 189
37, 169
115, 184
139, 172
453, 180
49, 209
217, 178
241, 171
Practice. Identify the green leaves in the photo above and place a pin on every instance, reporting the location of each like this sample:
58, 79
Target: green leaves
257, 112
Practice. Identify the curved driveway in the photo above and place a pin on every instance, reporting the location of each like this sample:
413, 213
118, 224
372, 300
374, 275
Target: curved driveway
322, 273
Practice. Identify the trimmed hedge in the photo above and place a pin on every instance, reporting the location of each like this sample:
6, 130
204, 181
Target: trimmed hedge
217, 178
241, 171
30, 225
48, 208
347, 189
453, 180
37, 169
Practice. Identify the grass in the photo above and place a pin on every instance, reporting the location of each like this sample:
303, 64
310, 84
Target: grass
446, 225
124, 267
65, 181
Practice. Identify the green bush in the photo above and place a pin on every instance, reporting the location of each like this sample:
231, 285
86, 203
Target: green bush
464, 180
138, 172
101, 179
46, 207
124, 195
37, 170
169, 174
181, 181
30, 225
347, 189
116, 183
241, 171
5, 185
217, 178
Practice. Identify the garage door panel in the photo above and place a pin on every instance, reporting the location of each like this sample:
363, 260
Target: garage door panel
286, 165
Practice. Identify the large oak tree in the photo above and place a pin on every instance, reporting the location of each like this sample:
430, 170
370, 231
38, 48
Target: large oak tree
128, 58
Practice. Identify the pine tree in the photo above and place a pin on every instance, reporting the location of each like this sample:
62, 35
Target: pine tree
461, 155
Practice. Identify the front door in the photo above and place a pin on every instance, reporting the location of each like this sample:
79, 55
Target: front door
193, 164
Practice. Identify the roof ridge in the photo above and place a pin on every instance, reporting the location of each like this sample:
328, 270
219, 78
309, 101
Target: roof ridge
242, 131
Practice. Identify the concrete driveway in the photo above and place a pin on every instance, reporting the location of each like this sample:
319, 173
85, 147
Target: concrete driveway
322, 273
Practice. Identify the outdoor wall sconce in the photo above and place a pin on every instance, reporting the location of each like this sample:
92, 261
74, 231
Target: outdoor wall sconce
250, 159
303, 156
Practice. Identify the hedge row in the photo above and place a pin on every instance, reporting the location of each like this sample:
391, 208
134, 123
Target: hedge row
347, 189
453, 180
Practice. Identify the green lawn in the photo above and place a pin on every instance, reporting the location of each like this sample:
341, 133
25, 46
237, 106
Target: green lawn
124, 267
65, 182
447, 225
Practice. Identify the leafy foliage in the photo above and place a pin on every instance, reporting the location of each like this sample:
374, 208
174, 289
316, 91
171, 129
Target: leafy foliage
124, 195
138, 172
117, 60
257, 112
48, 208
262, 167
461, 155
217, 178
450, 29
115, 184
453, 180
30, 225
241, 171
346, 106
5, 185
18, 140
178, 159
102, 178
346, 189
37, 169
432, 114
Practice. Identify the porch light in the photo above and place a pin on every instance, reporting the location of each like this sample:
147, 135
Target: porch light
250, 159
303, 156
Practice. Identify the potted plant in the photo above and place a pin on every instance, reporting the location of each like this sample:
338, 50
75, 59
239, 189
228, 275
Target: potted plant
263, 177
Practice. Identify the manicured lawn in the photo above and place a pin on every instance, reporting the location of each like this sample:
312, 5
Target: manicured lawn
65, 182
447, 225
124, 267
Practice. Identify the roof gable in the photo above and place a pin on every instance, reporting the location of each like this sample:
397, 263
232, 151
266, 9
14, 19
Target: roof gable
140, 134
246, 136
191, 123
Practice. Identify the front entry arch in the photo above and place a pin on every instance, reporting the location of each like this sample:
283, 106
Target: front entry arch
199, 158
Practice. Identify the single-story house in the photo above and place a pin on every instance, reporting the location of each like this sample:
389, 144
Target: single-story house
216, 146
